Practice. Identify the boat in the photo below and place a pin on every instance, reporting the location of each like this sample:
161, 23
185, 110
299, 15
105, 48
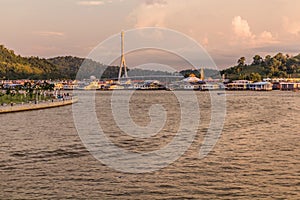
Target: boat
152, 85
113, 87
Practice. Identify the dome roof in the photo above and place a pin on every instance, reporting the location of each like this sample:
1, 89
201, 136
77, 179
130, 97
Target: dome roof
191, 79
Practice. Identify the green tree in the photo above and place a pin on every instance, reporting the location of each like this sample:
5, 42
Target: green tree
267, 60
1, 95
241, 61
255, 77
281, 57
257, 60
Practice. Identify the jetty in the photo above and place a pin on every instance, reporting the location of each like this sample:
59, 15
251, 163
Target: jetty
37, 106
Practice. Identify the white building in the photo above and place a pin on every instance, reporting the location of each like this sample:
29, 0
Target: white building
260, 86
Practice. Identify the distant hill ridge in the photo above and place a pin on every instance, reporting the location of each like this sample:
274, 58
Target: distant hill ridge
14, 66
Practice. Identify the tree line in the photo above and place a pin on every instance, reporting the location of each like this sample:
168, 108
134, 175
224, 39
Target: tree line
30, 91
277, 66
14, 66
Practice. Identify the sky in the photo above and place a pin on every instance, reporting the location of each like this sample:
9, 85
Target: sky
226, 29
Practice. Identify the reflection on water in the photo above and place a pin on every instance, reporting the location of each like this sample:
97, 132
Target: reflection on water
257, 156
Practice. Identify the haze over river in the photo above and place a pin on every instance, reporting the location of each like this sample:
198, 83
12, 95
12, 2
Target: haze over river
256, 157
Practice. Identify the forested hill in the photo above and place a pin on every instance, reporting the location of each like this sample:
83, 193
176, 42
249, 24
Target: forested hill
278, 66
14, 66
69, 67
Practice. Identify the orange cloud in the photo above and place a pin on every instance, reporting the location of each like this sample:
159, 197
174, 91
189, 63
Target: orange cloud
50, 33
241, 27
243, 34
90, 3
292, 27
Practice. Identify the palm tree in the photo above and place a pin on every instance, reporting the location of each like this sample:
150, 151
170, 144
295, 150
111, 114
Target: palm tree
241, 61
257, 60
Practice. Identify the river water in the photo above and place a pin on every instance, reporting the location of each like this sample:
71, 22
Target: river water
257, 155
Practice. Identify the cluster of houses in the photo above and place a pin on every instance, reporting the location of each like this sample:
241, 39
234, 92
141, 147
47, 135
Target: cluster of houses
267, 84
189, 83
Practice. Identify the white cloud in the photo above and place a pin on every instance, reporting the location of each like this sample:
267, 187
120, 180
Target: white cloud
241, 27
266, 35
212, 29
292, 27
155, 2
90, 3
150, 13
205, 41
244, 35
49, 33
176, 14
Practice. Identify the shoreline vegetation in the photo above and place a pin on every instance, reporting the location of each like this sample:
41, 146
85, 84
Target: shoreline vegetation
26, 92
31, 95
20, 98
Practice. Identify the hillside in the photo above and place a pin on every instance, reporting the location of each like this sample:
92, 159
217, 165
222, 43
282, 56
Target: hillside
14, 66
69, 67
278, 66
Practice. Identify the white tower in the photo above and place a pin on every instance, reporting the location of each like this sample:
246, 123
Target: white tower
123, 62
202, 77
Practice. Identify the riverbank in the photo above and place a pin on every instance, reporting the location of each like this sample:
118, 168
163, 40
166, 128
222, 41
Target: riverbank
38, 106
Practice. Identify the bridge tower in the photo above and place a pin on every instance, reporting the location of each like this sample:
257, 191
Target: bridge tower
122, 62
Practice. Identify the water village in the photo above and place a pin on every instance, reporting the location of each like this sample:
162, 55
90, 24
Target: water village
37, 92
23, 95
59, 88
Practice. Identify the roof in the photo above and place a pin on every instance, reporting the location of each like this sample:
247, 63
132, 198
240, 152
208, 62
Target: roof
191, 79
262, 83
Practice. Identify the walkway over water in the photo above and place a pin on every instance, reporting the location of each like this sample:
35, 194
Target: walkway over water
32, 106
